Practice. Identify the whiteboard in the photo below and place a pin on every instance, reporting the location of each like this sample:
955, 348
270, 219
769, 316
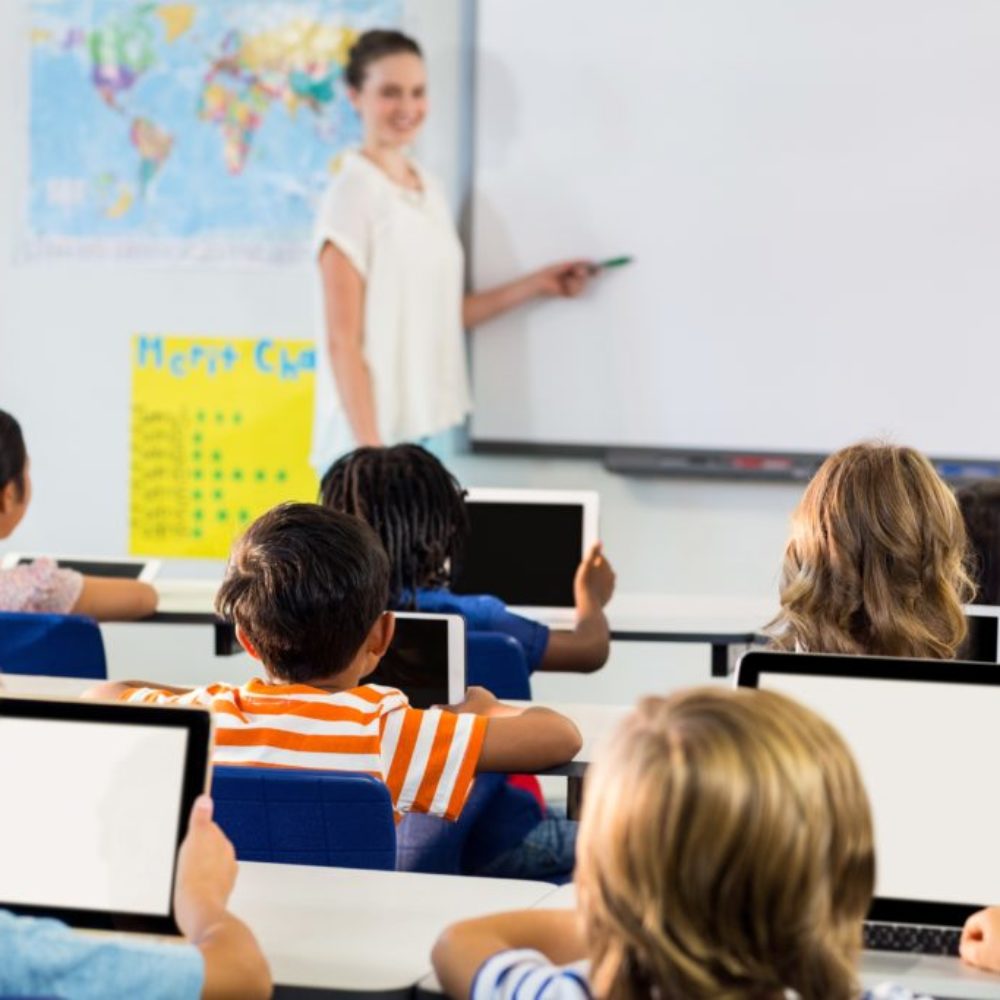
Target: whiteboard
812, 195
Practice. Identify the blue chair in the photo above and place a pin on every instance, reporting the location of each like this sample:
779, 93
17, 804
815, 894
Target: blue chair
294, 817
497, 663
56, 645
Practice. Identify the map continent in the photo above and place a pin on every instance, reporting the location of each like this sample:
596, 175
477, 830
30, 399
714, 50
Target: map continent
202, 129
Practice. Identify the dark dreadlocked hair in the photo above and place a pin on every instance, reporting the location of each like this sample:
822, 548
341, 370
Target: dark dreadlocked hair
416, 507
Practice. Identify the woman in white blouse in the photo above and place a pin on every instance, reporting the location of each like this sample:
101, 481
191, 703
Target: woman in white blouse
391, 361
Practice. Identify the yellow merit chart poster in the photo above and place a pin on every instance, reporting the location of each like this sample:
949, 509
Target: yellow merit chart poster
220, 433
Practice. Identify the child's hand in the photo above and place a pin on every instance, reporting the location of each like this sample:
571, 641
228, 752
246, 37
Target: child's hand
206, 873
595, 579
479, 701
981, 939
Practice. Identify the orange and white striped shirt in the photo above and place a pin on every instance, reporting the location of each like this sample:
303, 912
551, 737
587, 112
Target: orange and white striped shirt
427, 758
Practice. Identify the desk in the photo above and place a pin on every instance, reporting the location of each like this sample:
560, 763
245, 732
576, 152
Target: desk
29, 685
341, 932
596, 723
192, 602
727, 624
938, 976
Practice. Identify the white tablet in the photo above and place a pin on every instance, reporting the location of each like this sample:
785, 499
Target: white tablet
426, 659
96, 808
525, 546
119, 568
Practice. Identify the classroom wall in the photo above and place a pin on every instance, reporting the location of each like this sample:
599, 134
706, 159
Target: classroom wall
64, 369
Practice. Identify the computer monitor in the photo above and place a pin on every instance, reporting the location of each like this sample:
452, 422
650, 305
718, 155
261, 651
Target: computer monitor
525, 545
426, 659
924, 734
96, 799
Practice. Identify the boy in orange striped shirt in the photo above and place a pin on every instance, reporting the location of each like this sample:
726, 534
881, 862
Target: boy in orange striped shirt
307, 590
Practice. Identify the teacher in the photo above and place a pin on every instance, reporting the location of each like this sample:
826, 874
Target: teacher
391, 363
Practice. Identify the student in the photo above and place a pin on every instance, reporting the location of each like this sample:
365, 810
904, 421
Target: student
980, 506
41, 585
418, 509
876, 560
222, 958
726, 853
306, 588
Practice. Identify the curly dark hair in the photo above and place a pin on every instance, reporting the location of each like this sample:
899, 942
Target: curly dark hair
416, 507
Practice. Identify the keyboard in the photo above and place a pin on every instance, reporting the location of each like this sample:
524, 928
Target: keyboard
912, 938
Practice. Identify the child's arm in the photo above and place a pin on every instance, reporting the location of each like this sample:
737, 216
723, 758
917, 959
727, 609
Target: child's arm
114, 690
206, 872
586, 648
520, 739
461, 950
115, 600
981, 939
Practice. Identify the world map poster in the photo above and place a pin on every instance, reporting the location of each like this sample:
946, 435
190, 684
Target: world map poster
187, 130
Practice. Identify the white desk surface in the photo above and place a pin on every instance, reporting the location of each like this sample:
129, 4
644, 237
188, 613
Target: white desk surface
186, 596
44, 687
366, 931
673, 613
932, 975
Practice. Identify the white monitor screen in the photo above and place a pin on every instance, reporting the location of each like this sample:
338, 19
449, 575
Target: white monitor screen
926, 751
97, 809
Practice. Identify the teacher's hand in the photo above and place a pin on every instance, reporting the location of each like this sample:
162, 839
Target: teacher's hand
566, 279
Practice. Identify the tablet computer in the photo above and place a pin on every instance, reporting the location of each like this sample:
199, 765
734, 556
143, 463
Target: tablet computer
525, 546
426, 659
119, 568
96, 799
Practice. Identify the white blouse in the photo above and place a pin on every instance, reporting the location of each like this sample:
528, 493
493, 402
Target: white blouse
405, 247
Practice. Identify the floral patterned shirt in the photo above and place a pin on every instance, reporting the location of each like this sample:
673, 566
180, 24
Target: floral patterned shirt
39, 586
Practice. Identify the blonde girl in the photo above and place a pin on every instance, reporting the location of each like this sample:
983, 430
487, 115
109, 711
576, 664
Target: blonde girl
876, 559
725, 853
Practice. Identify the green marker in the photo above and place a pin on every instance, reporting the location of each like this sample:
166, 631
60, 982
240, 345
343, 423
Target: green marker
610, 262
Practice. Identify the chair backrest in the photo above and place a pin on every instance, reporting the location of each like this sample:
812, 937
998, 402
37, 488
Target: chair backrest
497, 663
337, 818
56, 645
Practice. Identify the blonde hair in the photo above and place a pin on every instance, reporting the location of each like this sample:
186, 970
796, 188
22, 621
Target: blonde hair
876, 559
725, 852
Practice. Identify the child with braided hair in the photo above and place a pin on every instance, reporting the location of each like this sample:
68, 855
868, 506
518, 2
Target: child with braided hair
418, 510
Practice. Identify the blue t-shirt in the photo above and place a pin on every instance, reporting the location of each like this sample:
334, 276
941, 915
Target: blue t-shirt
40, 957
484, 613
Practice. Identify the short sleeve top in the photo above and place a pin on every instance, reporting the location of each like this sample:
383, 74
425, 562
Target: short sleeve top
427, 759
40, 586
528, 973
40, 957
404, 245
485, 613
